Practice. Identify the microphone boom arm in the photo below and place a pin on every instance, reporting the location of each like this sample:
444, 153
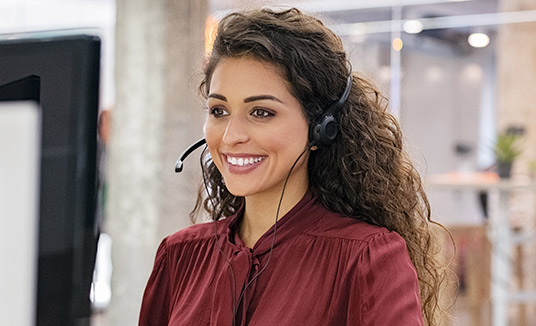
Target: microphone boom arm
188, 151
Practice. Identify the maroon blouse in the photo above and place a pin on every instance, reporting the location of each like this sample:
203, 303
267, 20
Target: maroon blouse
324, 269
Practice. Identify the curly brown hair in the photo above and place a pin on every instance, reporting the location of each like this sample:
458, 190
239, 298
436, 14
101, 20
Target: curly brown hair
365, 174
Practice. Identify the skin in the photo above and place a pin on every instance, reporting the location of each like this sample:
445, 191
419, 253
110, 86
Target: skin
255, 130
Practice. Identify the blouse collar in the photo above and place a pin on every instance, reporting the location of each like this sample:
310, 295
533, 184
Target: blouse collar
289, 225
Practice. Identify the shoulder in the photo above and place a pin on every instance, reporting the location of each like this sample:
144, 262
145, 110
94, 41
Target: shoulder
334, 225
196, 233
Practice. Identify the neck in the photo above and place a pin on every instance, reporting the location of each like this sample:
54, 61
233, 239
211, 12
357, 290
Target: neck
260, 212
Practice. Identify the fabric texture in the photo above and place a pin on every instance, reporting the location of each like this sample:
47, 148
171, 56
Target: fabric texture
324, 269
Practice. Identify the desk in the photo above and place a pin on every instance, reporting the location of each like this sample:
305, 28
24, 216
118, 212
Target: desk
499, 232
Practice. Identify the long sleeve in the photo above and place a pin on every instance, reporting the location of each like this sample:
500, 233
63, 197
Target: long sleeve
390, 290
155, 305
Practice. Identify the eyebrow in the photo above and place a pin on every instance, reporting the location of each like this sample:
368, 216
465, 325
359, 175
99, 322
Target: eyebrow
217, 96
247, 99
261, 97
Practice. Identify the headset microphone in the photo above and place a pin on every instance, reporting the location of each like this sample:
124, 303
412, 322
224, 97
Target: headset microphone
188, 151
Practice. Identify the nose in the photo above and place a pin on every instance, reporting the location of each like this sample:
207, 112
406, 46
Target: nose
237, 131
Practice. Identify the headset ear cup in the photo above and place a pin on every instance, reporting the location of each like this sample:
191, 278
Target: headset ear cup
328, 130
324, 132
314, 135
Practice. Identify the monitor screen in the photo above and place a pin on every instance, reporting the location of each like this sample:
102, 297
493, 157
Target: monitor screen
60, 71
19, 189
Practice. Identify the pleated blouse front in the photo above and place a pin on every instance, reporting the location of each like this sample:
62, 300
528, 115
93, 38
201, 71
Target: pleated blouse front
315, 268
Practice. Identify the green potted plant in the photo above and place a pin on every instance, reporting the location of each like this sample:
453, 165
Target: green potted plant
507, 149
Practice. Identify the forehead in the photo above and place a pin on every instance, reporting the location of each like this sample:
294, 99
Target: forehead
247, 73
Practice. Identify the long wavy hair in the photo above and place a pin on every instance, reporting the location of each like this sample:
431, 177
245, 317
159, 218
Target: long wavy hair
370, 177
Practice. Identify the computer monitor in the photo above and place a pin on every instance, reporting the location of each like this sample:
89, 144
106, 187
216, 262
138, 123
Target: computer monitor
59, 70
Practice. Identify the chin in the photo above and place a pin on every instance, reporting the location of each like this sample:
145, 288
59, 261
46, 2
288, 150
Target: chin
243, 190
239, 192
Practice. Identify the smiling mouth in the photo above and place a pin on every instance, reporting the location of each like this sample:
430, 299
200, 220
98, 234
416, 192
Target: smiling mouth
243, 161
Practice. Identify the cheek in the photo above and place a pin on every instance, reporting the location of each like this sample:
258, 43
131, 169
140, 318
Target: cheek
211, 130
213, 137
294, 135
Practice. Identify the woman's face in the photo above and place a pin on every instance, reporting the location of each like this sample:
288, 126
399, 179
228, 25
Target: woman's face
255, 128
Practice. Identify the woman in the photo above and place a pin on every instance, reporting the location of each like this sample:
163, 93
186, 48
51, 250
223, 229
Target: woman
310, 227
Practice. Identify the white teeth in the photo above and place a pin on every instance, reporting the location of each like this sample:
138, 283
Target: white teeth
243, 161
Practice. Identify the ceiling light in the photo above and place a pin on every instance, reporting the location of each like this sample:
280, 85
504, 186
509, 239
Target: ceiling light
412, 26
478, 40
397, 44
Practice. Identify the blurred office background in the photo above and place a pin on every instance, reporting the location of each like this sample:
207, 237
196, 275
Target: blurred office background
457, 73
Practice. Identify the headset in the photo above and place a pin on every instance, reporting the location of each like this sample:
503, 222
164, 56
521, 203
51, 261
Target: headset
321, 133
325, 130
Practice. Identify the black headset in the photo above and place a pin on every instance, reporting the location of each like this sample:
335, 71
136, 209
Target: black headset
321, 133
325, 130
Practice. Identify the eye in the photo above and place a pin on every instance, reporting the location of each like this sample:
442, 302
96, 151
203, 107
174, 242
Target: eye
261, 113
217, 112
